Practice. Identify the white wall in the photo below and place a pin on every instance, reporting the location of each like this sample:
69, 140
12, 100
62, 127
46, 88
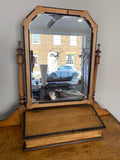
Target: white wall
106, 15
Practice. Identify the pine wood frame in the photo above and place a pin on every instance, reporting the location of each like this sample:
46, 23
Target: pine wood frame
26, 22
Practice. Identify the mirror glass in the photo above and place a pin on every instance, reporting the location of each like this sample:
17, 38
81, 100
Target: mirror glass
60, 55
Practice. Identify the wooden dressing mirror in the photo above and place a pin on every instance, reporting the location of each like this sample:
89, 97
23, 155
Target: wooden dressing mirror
60, 57
61, 63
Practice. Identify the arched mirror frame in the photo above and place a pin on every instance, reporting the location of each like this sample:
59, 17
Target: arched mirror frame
26, 23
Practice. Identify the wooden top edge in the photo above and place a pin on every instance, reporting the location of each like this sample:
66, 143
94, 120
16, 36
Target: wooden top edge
37, 105
42, 9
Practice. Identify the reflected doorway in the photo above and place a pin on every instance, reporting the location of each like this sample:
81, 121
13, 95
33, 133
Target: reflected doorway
52, 62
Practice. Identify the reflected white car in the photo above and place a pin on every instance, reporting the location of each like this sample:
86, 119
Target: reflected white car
65, 71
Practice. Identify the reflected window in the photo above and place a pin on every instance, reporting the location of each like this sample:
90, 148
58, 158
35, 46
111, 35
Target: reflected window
57, 39
73, 40
70, 59
35, 38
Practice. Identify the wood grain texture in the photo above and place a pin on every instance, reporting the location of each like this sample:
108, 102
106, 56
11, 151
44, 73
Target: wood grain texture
27, 63
93, 62
59, 120
37, 105
15, 119
62, 138
11, 146
100, 111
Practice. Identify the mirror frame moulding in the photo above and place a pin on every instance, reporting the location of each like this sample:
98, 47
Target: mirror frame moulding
26, 22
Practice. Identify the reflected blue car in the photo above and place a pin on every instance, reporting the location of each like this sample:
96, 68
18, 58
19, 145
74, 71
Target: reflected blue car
65, 71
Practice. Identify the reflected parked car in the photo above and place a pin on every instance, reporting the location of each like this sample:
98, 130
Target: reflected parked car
65, 71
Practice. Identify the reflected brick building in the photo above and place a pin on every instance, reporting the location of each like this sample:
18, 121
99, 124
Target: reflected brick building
56, 50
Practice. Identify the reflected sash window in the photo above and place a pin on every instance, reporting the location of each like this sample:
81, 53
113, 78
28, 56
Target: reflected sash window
35, 38
57, 39
70, 59
73, 40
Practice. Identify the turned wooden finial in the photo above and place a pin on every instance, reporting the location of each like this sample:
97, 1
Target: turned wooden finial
19, 49
97, 56
19, 55
19, 44
97, 61
98, 51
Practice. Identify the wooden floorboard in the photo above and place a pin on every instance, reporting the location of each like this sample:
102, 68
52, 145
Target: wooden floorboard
11, 146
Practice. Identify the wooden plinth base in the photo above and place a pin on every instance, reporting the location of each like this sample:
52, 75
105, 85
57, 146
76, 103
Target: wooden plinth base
60, 125
60, 144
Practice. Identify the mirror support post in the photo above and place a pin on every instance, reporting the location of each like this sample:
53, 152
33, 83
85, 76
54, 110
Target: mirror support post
97, 61
20, 61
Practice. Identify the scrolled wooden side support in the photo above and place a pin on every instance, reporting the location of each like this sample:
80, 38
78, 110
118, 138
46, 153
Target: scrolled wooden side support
20, 61
97, 61
99, 110
14, 119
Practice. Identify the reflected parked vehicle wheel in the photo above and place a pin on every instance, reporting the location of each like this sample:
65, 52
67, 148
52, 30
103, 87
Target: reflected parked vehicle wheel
74, 75
53, 75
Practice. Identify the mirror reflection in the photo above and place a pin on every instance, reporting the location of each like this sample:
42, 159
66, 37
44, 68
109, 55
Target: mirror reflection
59, 57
